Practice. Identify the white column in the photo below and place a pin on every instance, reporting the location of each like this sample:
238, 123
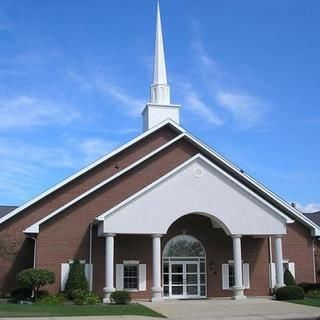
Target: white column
278, 261
238, 288
109, 267
156, 268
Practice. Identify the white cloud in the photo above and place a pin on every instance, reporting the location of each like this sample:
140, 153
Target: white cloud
198, 106
309, 208
132, 105
25, 111
247, 110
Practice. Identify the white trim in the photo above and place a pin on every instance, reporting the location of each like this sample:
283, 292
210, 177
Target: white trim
35, 227
285, 218
90, 166
296, 213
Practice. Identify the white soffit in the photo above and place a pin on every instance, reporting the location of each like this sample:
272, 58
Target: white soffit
196, 186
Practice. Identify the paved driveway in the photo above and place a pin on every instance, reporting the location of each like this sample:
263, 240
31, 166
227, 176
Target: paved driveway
225, 309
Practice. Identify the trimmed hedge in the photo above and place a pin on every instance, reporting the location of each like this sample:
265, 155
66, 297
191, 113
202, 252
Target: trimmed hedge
290, 293
309, 286
21, 294
120, 297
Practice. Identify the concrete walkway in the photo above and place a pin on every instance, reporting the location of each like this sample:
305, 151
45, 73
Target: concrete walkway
226, 309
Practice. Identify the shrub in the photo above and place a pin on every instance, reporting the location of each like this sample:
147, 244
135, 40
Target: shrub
55, 300
76, 280
92, 299
79, 296
42, 294
309, 286
288, 278
120, 297
290, 293
314, 294
21, 294
35, 279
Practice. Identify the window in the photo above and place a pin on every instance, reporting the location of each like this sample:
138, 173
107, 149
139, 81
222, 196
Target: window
228, 279
130, 277
231, 275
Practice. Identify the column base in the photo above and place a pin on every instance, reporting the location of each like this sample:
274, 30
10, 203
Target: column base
278, 286
238, 293
107, 294
156, 295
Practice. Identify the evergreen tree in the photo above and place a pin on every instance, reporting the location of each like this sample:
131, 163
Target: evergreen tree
288, 278
76, 280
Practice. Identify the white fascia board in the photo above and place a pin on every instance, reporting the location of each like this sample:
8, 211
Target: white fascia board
280, 215
35, 227
301, 217
90, 166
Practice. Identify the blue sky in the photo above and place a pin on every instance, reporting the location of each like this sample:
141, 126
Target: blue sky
75, 76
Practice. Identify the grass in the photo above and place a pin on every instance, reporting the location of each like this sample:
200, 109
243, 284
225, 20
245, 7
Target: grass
307, 302
35, 310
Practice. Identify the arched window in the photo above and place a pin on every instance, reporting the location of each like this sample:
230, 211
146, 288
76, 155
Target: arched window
184, 246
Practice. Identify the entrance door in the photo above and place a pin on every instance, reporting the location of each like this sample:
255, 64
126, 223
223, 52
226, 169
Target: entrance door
184, 279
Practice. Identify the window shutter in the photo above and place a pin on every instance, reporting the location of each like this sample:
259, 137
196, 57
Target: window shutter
225, 276
272, 271
65, 267
119, 277
142, 277
246, 275
292, 269
88, 270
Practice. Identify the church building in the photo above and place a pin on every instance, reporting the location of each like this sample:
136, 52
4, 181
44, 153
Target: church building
163, 216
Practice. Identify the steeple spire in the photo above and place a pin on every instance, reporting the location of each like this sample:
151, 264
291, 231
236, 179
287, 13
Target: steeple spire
160, 91
159, 109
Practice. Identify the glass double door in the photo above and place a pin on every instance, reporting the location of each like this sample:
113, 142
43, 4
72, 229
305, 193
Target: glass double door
184, 279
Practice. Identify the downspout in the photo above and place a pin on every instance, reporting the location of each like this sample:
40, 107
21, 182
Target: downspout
270, 264
314, 261
90, 257
34, 251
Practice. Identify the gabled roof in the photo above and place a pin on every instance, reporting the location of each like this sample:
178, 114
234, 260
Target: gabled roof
314, 216
4, 210
170, 123
232, 169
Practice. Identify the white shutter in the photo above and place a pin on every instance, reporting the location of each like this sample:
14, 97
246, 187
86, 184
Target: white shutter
142, 277
272, 272
88, 270
246, 275
292, 269
65, 267
225, 276
119, 277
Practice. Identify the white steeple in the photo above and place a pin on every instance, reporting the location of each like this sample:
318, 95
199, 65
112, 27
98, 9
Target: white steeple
160, 108
160, 91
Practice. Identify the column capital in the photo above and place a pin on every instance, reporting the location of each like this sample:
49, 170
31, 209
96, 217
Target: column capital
235, 236
110, 235
156, 235
278, 236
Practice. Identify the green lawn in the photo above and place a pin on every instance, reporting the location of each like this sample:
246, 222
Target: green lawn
308, 302
16, 310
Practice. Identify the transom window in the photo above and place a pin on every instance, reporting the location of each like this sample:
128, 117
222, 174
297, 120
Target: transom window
184, 246
130, 277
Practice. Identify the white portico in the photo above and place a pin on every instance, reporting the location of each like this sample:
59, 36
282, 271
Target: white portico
198, 186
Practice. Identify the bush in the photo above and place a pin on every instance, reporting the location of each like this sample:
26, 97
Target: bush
42, 294
55, 300
288, 278
309, 286
21, 294
290, 293
120, 297
76, 280
92, 299
35, 279
314, 294
79, 296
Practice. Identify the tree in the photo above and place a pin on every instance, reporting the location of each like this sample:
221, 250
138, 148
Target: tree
76, 281
288, 278
35, 279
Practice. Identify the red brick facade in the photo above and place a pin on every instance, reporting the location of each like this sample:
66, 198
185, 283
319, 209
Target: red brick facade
66, 236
